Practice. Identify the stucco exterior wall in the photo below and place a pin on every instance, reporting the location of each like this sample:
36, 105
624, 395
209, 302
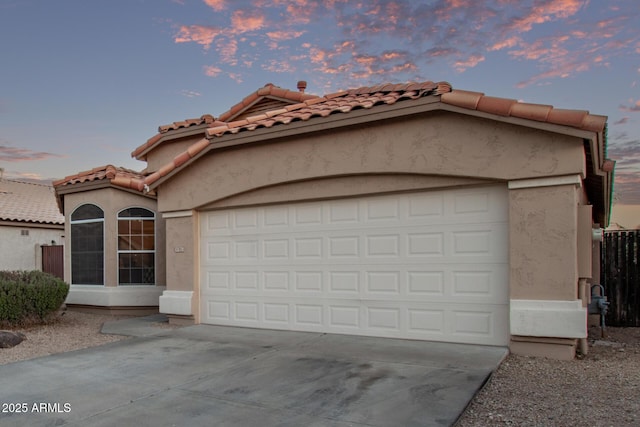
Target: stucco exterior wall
23, 252
441, 144
166, 151
182, 245
543, 227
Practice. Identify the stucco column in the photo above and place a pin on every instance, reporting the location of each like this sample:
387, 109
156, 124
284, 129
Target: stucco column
182, 240
543, 236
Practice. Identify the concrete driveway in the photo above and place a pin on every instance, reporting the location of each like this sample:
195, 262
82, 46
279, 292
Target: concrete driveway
222, 376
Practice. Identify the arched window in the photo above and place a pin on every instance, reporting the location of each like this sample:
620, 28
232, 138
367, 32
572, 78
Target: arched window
87, 245
136, 247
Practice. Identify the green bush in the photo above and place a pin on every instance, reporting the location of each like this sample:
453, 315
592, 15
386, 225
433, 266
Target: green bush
30, 295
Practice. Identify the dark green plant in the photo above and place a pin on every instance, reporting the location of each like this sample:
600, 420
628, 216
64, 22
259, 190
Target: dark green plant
29, 295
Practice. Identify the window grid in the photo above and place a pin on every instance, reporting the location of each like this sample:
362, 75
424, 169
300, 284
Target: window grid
136, 247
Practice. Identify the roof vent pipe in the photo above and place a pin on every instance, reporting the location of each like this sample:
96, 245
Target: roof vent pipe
302, 85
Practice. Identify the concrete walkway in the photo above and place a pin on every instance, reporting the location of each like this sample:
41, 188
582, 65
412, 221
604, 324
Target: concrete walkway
221, 376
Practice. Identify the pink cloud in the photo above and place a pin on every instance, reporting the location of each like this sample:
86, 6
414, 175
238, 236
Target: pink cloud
284, 35
470, 62
197, 33
546, 11
212, 70
457, 32
227, 49
243, 21
509, 42
216, 5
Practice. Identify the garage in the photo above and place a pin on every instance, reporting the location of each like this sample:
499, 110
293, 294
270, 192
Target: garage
429, 265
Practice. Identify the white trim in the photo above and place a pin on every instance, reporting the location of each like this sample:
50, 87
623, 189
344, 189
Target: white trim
176, 302
539, 318
546, 182
109, 296
177, 214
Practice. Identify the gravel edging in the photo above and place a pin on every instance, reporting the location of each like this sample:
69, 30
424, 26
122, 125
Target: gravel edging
601, 389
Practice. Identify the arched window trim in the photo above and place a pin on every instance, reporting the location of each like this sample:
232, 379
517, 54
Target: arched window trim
73, 243
126, 257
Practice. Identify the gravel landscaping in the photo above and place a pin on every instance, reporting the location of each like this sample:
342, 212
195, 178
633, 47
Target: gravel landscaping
600, 389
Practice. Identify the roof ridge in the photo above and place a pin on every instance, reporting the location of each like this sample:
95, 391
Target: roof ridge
17, 181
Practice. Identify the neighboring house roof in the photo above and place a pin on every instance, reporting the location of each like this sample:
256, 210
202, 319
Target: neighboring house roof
26, 202
625, 217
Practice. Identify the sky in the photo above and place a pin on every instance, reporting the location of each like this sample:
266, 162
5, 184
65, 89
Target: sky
85, 82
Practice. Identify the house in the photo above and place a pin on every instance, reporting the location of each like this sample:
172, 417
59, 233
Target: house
411, 211
29, 219
625, 217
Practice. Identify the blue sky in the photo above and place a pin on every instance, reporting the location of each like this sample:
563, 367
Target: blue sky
83, 83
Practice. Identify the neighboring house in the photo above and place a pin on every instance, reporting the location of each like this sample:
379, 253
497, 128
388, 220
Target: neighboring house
625, 217
29, 219
408, 211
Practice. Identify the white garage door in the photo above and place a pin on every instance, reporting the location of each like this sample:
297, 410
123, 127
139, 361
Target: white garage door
430, 266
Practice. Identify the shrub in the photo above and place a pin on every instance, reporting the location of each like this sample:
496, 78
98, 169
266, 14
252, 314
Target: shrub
28, 295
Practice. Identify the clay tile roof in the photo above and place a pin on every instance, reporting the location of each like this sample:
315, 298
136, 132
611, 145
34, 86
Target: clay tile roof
207, 119
511, 108
28, 202
269, 90
339, 102
117, 176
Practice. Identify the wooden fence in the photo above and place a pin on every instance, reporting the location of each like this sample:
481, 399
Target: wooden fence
620, 275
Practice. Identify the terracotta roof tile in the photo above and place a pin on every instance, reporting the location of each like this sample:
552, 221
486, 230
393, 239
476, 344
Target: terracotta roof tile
120, 177
268, 90
28, 202
462, 98
537, 112
207, 119
493, 105
579, 119
339, 102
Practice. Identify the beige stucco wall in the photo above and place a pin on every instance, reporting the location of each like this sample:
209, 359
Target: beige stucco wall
165, 151
111, 201
543, 228
440, 144
182, 249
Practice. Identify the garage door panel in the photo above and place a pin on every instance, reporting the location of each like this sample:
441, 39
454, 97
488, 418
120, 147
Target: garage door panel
462, 283
431, 321
423, 265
